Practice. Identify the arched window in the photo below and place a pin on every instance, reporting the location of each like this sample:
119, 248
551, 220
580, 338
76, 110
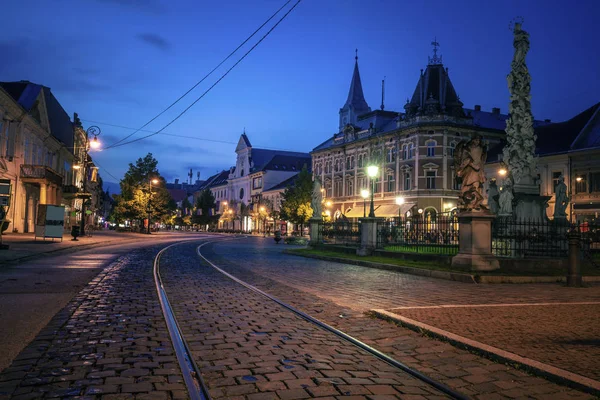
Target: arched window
391, 182
431, 148
349, 188
404, 152
411, 150
407, 180
391, 155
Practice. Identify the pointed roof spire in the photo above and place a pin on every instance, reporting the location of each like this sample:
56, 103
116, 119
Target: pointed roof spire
356, 98
435, 59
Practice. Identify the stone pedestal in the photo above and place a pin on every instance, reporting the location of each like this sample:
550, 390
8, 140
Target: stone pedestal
475, 244
530, 206
368, 236
315, 232
574, 277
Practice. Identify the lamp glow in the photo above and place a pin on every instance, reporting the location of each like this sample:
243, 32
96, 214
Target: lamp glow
372, 170
420, 211
76, 166
95, 143
328, 203
502, 171
154, 181
364, 194
400, 200
579, 179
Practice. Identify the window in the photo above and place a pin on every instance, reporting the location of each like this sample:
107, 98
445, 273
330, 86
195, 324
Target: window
338, 189
594, 182
391, 183
257, 182
241, 193
407, 181
362, 183
581, 186
350, 162
377, 184
411, 150
555, 178
451, 149
430, 176
431, 148
391, 155
328, 189
337, 165
27, 149
3, 137
349, 188
455, 181
404, 152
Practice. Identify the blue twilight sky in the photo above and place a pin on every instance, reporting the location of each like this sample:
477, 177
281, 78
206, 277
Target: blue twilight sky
121, 62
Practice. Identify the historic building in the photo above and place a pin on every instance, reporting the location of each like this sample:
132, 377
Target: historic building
39, 148
570, 149
413, 149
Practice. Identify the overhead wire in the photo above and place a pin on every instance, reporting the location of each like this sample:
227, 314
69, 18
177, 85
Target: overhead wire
214, 84
204, 78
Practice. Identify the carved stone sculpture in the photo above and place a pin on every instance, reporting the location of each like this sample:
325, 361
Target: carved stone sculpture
562, 200
317, 198
469, 160
519, 153
493, 197
506, 198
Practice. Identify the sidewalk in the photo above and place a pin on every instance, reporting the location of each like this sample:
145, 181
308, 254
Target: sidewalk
23, 246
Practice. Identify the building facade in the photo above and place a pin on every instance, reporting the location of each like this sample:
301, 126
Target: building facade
413, 149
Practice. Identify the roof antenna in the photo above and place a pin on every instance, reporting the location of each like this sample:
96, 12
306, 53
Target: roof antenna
382, 92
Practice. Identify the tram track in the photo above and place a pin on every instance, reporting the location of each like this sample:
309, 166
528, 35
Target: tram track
197, 387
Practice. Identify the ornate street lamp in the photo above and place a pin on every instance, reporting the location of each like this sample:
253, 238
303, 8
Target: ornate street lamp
94, 144
400, 202
372, 171
364, 193
150, 182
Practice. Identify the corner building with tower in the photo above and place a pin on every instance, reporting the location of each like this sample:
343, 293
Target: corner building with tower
413, 149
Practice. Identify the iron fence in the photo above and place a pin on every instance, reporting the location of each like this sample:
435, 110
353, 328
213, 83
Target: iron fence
590, 242
529, 238
341, 233
417, 234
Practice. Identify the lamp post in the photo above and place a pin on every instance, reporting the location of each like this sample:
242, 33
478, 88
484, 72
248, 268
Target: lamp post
150, 182
400, 202
93, 144
264, 218
364, 193
225, 214
372, 171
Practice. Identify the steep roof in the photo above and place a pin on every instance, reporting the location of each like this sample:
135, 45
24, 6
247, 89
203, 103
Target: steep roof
260, 158
291, 181
217, 179
178, 194
282, 162
356, 98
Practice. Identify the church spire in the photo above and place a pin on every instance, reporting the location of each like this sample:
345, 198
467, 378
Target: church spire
355, 104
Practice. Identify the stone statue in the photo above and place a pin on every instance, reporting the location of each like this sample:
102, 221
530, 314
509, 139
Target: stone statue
493, 197
506, 198
317, 198
469, 160
562, 200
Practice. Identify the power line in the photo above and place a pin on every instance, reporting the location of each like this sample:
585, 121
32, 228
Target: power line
214, 84
105, 170
206, 76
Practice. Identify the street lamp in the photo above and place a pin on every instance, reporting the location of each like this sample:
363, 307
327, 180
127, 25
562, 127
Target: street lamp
150, 182
364, 193
502, 171
400, 202
264, 218
94, 144
372, 171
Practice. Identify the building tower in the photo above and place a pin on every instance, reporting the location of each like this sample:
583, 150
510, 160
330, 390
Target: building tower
356, 104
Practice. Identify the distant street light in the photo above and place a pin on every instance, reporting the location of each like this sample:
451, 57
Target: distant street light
502, 171
400, 201
150, 182
94, 144
372, 171
579, 179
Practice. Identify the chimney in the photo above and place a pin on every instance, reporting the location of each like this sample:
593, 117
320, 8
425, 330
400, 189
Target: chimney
176, 181
496, 111
547, 120
477, 107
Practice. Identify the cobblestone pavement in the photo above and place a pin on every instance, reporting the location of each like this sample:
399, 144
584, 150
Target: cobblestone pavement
338, 294
249, 347
571, 342
109, 342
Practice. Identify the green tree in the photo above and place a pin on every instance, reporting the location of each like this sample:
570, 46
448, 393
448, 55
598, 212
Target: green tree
205, 205
139, 197
295, 204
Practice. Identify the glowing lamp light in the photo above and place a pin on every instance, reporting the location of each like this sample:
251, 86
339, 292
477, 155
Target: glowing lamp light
399, 200
76, 166
328, 213
502, 171
154, 181
328, 203
364, 194
420, 211
95, 143
579, 179
372, 171
262, 209
225, 203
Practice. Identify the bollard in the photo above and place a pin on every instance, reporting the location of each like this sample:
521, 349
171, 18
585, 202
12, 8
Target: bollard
574, 276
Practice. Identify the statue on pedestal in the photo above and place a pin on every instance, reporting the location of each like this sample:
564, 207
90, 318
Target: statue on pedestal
493, 197
562, 200
469, 160
317, 198
506, 198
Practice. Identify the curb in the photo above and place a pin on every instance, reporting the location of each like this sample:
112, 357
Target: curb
451, 276
553, 374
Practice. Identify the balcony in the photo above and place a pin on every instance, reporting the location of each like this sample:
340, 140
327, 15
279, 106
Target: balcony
40, 174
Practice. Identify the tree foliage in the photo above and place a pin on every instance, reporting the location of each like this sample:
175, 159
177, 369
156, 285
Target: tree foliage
295, 204
205, 207
138, 197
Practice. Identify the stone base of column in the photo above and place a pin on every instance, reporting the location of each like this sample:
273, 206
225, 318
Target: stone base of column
475, 242
315, 233
368, 236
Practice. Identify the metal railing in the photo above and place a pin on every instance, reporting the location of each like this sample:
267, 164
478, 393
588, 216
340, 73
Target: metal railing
417, 234
41, 172
341, 233
529, 238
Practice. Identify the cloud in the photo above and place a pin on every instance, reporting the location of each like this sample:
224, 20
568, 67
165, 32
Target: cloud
154, 40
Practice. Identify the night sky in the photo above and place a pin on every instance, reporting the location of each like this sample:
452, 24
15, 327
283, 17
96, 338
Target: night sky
121, 62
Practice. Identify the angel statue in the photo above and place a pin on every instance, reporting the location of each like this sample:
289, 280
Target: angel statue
469, 160
317, 198
562, 199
